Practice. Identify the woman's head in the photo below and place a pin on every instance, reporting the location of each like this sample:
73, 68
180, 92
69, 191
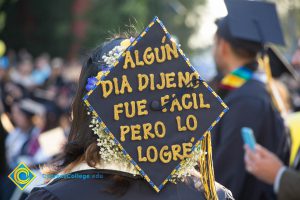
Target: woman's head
82, 143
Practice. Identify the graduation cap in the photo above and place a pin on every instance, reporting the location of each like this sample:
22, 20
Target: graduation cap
255, 21
279, 64
154, 105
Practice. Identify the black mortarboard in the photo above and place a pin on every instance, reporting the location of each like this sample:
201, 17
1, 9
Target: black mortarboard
255, 21
154, 105
279, 64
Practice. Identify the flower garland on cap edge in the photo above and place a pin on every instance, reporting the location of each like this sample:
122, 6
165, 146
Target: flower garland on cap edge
109, 151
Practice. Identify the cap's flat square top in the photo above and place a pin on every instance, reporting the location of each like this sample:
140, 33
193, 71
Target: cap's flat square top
254, 20
154, 69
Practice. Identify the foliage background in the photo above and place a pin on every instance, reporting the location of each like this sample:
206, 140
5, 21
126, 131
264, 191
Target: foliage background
49, 25
68, 28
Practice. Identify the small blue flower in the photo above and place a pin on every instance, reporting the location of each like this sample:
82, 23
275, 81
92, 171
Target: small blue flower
91, 82
89, 87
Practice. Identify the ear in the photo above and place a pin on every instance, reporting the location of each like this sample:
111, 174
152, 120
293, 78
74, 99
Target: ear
224, 47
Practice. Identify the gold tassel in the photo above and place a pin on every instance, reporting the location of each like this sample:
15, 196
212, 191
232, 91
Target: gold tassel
275, 95
207, 177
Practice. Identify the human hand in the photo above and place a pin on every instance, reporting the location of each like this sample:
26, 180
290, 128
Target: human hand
262, 163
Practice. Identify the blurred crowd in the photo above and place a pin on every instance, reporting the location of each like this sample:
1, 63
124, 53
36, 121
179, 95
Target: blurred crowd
30, 106
36, 97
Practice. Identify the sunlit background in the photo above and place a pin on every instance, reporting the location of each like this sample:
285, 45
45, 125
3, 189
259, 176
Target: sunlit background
70, 28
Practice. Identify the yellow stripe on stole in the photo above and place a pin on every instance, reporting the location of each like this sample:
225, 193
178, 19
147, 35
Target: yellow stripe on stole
233, 81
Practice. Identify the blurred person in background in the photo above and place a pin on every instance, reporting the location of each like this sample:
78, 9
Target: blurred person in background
13, 92
37, 99
244, 89
22, 74
285, 77
267, 167
42, 69
56, 78
22, 144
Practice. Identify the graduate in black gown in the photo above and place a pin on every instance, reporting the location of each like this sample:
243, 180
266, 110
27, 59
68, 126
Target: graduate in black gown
90, 152
240, 37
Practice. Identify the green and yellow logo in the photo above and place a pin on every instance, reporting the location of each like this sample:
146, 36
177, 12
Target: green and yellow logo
22, 176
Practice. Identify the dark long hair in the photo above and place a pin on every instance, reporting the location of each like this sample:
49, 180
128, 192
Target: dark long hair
82, 142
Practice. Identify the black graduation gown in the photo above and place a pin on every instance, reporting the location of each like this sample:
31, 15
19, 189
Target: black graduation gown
249, 106
98, 189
